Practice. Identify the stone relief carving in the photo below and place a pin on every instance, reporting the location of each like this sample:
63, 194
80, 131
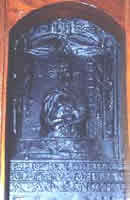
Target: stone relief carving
61, 115
63, 108
71, 63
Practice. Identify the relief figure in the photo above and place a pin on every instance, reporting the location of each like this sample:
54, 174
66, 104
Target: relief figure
61, 115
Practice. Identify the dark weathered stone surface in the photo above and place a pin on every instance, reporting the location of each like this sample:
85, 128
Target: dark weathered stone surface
64, 113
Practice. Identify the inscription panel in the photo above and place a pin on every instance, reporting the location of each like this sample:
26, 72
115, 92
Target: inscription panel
71, 178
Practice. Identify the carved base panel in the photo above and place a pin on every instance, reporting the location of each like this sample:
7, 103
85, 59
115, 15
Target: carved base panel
62, 148
67, 180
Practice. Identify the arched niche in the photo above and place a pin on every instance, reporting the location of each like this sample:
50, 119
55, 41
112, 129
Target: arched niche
81, 51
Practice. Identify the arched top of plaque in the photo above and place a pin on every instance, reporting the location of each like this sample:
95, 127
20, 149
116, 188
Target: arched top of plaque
65, 9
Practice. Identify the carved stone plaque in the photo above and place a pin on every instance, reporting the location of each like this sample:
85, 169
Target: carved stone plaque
64, 113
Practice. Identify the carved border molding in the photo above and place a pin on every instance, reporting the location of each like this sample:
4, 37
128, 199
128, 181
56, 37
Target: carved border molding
15, 11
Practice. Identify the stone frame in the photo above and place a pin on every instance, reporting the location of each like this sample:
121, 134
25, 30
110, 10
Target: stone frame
18, 12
